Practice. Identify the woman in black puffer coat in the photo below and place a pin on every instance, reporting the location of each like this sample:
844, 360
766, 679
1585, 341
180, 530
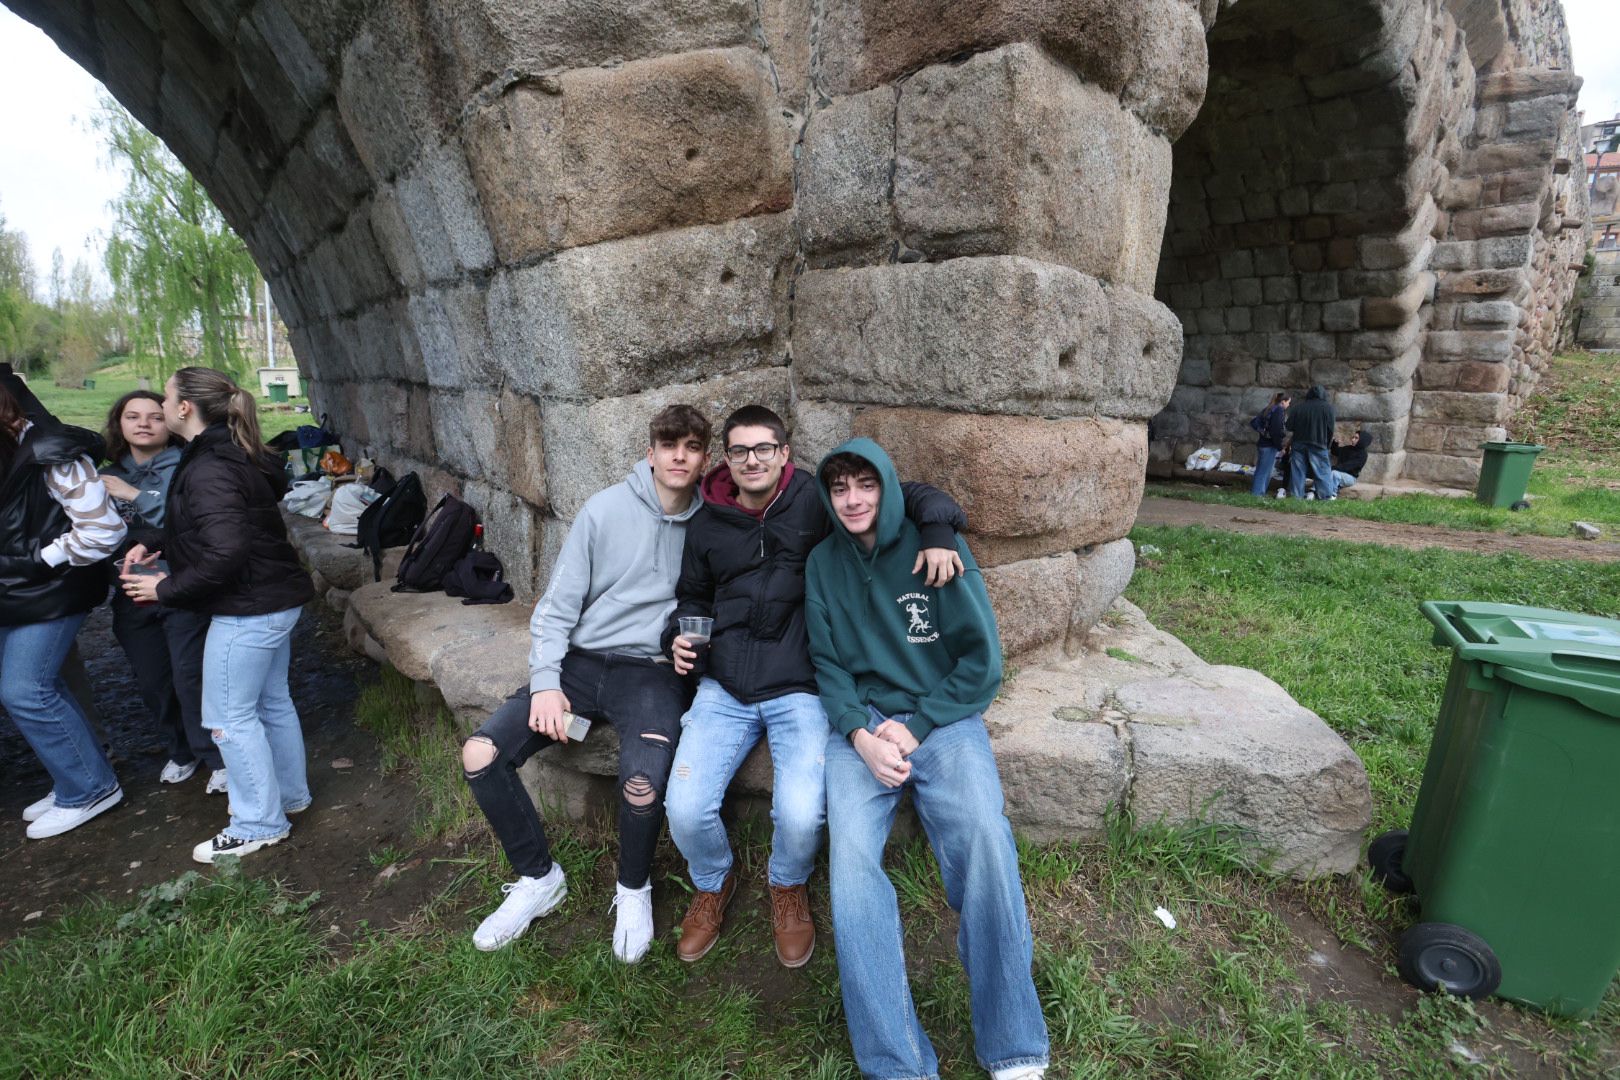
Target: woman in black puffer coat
57, 528
229, 557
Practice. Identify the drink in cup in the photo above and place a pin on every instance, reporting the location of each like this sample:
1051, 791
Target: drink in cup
696, 630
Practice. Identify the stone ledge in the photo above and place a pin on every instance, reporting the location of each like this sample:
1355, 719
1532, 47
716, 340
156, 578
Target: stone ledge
1137, 720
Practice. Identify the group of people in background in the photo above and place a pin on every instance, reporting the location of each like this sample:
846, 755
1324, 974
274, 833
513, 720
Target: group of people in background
181, 526
1303, 436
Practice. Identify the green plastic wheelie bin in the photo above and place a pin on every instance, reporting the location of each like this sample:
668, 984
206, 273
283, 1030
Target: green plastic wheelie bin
1504, 473
278, 393
1514, 849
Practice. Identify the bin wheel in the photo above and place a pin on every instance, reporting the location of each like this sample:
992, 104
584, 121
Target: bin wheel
1384, 855
1522, 504
1446, 958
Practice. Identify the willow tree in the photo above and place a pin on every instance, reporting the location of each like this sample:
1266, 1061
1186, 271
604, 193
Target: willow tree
179, 271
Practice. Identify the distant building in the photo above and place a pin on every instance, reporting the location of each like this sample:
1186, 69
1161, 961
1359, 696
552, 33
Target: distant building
1602, 137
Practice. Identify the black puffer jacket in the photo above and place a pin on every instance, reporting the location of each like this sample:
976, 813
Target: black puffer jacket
747, 573
223, 536
31, 591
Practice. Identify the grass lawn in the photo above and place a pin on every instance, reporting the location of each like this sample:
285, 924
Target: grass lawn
88, 408
234, 976
1575, 414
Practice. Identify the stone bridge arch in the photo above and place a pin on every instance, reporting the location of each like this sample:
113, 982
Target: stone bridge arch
1375, 198
502, 232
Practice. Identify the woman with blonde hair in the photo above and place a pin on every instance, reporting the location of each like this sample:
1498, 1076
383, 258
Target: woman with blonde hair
229, 557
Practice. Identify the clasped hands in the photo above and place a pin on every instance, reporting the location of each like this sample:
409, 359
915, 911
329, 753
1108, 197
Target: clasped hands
141, 588
885, 751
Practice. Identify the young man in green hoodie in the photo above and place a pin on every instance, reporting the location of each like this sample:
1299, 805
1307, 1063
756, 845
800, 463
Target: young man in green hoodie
905, 672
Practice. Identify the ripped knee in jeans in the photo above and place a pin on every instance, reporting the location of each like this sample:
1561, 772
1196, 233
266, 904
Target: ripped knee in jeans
478, 755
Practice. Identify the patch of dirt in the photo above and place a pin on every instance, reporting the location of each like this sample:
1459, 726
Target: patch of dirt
1260, 522
148, 838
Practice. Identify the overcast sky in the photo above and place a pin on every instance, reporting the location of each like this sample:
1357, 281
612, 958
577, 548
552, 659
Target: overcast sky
55, 185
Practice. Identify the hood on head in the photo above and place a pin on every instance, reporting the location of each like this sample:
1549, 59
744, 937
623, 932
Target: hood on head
892, 505
1316, 393
1364, 439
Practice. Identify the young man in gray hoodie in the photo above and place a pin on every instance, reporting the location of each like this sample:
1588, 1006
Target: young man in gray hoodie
595, 652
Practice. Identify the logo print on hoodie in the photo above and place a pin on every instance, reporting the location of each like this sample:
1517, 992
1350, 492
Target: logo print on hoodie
920, 629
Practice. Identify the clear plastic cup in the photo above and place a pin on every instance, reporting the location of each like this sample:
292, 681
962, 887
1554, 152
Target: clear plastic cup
696, 630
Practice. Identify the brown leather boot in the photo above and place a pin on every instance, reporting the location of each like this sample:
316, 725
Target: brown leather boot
790, 920
701, 927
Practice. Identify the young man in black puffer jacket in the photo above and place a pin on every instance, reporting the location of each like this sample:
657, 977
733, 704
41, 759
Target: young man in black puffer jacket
743, 566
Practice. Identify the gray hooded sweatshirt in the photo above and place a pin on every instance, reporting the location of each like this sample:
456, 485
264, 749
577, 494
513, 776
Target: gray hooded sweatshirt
613, 585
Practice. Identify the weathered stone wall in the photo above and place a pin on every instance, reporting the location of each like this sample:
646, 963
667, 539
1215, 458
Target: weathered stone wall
503, 232
1600, 308
1378, 198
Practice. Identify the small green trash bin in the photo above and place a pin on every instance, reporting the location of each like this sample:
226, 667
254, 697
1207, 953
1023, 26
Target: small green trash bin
89, 384
1514, 850
278, 393
1504, 474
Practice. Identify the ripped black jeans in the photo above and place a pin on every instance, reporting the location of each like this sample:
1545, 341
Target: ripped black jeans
644, 701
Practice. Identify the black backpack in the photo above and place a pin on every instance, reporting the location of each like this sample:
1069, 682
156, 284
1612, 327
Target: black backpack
439, 543
480, 577
392, 520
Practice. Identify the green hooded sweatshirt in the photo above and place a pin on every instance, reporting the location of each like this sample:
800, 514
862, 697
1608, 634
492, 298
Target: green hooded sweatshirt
880, 637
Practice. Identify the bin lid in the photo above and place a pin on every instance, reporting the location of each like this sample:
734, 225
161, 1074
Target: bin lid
1513, 447
1559, 652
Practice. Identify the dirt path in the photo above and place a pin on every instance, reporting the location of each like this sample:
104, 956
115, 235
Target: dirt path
1257, 521
358, 809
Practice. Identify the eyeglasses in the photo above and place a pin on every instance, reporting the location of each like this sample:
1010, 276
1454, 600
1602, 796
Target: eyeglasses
765, 452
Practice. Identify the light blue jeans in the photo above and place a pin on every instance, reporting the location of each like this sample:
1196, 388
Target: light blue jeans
1342, 480
1316, 457
248, 708
32, 691
1265, 460
957, 792
717, 733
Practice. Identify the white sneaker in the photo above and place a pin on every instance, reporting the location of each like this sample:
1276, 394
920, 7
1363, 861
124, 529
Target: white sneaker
633, 932
59, 819
216, 782
176, 773
224, 844
36, 810
1020, 1072
527, 899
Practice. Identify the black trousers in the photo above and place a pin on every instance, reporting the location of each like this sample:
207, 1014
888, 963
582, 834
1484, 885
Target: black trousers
165, 650
644, 701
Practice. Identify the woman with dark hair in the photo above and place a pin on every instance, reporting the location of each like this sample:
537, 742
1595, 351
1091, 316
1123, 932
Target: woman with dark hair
164, 644
1273, 434
57, 524
229, 557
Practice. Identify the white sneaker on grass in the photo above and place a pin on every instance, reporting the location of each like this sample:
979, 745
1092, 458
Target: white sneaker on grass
1020, 1072
225, 844
527, 899
60, 819
216, 782
633, 931
36, 810
176, 773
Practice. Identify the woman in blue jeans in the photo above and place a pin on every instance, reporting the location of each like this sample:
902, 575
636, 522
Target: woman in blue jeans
228, 557
57, 528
